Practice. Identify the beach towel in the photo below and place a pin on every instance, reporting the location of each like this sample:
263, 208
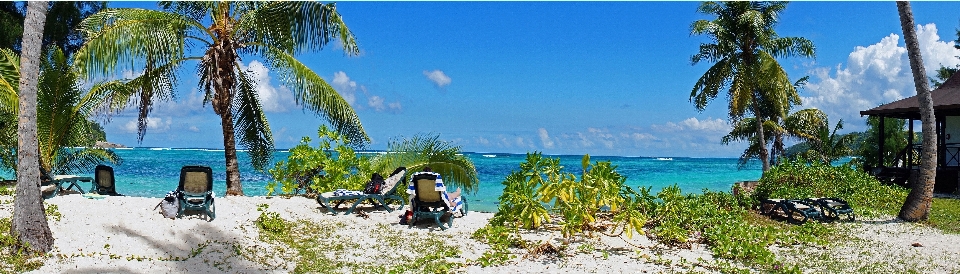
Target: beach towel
344, 192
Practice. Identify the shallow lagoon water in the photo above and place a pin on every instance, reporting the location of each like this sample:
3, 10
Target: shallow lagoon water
152, 172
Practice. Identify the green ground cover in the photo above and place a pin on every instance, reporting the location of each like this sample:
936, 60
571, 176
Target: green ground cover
945, 215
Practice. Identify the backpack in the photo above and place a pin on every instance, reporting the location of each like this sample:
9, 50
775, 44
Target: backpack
375, 185
169, 206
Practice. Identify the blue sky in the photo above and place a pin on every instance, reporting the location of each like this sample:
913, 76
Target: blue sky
603, 78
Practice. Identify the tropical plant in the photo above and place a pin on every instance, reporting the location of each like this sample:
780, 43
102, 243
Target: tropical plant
62, 114
744, 51
331, 165
600, 189
29, 220
429, 151
917, 205
59, 29
158, 43
813, 127
895, 139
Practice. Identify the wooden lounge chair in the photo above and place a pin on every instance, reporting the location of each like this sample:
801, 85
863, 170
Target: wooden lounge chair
388, 191
428, 202
832, 208
794, 211
103, 182
195, 191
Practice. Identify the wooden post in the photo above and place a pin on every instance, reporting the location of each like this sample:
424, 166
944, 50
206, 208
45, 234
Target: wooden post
880, 144
910, 144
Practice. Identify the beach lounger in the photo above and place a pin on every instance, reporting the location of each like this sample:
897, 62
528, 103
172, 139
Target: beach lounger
388, 192
195, 191
427, 202
103, 182
790, 209
832, 208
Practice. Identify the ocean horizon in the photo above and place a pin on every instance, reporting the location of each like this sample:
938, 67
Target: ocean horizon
153, 171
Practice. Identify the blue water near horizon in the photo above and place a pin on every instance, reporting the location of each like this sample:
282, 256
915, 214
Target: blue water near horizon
152, 172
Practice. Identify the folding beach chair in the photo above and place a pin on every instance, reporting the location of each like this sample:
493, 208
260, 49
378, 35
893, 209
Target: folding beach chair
789, 209
428, 202
832, 208
103, 182
387, 192
195, 191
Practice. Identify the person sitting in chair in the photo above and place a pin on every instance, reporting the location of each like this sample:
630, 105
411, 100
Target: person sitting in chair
453, 199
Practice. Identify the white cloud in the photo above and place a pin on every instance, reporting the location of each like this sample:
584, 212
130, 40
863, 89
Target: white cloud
347, 88
155, 125
438, 78
193, 129
350, 91
545, 138
273, 99
875, 75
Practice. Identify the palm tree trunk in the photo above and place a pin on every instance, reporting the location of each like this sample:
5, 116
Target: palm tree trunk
29, 221
762, 142
917, 205
234, 187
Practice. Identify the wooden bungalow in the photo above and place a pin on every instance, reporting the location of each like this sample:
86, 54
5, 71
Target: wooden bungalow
946, 107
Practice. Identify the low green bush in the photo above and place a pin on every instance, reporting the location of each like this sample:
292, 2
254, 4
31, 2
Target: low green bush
332, 164
797, 179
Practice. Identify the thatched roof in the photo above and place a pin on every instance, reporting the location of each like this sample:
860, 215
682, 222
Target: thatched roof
946, 101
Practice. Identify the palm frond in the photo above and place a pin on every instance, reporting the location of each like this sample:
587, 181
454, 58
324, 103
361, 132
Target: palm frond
428, 151
251, 122
83, 160
314, 93
294, 27
122, 39
709, 85
9, 81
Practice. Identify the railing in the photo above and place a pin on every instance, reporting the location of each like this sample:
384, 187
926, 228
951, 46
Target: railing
909, 156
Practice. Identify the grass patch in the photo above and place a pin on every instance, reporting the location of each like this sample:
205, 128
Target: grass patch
12, 258
945, 215
317, 247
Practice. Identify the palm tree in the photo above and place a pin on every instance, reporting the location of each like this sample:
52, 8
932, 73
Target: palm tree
812, 127
157, 43
29, 219
917, 205
744, 52
62, 114
428, 151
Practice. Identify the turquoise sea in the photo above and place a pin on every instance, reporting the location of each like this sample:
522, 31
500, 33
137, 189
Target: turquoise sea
152, 172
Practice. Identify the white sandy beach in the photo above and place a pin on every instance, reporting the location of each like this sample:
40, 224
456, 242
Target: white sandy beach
126, 235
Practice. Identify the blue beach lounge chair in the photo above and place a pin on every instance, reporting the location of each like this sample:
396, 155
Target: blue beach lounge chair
387, 192
794, 211
103, 182
195, 191
428, 202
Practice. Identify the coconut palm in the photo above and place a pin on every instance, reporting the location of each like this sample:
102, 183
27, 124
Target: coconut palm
808, 125
158, 43
62, 113
29, 221
917, 205
744, 51
428, 151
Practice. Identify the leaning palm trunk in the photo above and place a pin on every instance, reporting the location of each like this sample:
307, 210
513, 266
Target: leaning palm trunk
762, 142
917, 205
29, 221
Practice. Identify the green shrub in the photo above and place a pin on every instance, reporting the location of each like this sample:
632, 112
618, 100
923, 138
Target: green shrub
331, 165
600, 188
796, 179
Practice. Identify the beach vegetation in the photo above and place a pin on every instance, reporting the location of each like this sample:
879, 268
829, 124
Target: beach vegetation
63, 113
318, 247
600, 191
427, 150
744, 49
332, 164
800, 179
158, 43
945, 215
895, 139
